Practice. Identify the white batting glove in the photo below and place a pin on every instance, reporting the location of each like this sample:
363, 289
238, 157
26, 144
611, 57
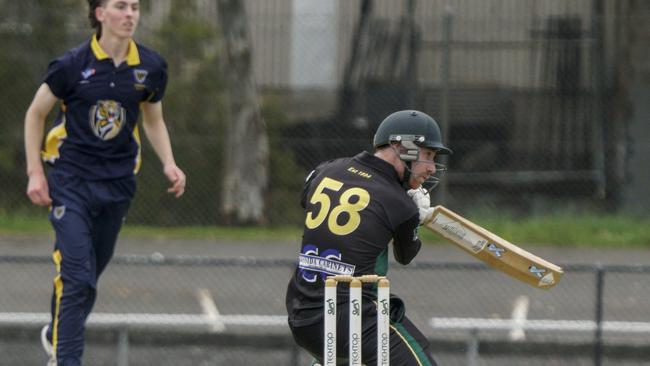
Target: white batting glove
423, 202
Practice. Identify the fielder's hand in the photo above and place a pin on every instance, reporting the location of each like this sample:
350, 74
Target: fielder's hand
422, 200
177, 178
37, 190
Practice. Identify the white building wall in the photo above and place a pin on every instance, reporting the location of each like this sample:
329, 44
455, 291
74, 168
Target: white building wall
314, 60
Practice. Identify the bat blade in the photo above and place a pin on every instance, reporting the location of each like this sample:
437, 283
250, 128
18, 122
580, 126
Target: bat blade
494, 250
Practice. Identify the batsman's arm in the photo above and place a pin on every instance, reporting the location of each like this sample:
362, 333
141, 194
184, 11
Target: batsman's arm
406, 243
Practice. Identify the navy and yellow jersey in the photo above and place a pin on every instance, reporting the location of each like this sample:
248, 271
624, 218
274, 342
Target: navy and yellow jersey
95, 135
354, 208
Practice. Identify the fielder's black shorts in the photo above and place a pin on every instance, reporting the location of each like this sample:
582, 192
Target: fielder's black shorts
408, 346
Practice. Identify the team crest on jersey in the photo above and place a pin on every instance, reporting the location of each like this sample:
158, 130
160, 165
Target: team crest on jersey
58, 212
107, 118
140, 75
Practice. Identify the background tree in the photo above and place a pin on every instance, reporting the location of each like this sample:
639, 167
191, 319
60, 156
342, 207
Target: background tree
193, 109
22, 67
246, 145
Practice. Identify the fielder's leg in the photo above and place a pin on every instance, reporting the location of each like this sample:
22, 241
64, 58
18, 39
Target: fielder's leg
70, 218
106, 227
72, 287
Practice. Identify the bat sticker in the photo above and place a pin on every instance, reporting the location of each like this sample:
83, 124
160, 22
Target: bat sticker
544, 279
448, 227
494, 249
548, 280
539, 272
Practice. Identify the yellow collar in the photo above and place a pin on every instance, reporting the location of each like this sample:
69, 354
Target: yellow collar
132, 55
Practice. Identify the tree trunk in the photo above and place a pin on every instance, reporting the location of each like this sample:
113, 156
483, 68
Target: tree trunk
351, 75
246, 150
627, 130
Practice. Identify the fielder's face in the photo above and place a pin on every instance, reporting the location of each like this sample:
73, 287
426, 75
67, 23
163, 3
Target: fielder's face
422, 168
119, 17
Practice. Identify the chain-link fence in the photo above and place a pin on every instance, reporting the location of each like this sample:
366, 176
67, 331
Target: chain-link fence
542, 102
188, 310
529, 94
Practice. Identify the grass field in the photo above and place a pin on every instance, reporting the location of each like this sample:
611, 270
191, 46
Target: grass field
561, 230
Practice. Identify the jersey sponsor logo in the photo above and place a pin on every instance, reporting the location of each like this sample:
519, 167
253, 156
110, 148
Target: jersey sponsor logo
85, 74
328, 263
107, 118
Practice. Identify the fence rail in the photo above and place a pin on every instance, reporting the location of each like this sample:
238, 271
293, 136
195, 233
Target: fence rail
249, 292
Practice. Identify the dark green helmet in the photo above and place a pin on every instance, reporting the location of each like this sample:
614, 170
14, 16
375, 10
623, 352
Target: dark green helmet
410, 125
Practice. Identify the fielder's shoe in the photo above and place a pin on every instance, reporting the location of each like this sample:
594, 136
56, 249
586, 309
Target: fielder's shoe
47, 346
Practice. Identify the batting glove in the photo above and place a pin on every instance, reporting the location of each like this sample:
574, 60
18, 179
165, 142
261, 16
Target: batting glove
422, 201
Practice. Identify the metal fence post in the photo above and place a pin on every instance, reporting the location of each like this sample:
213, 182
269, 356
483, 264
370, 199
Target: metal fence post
472, 348
445, 72
123, 347
598, 336
601, 148
295, 355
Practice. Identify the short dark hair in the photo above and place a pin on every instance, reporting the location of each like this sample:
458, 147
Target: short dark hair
94, 23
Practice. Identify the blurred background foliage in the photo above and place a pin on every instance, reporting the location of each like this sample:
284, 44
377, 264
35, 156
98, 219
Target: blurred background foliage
543, 107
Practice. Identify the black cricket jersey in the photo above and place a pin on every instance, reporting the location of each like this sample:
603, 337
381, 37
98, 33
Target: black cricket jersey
95, 135
354, 207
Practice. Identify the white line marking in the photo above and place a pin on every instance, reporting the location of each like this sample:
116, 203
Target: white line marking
163, 320
519, 315
192, 321
546, 325
210, 310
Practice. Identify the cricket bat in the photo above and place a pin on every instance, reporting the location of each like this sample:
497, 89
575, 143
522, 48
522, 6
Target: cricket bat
494, 250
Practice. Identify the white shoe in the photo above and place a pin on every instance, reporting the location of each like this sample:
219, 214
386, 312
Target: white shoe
47, 346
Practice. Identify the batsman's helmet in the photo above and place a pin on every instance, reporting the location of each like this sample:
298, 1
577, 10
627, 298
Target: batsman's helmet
410, 125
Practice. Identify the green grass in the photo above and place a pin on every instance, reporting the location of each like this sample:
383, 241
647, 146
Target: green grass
25, 226
570, 230
17, 225
560, 230
215, 232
